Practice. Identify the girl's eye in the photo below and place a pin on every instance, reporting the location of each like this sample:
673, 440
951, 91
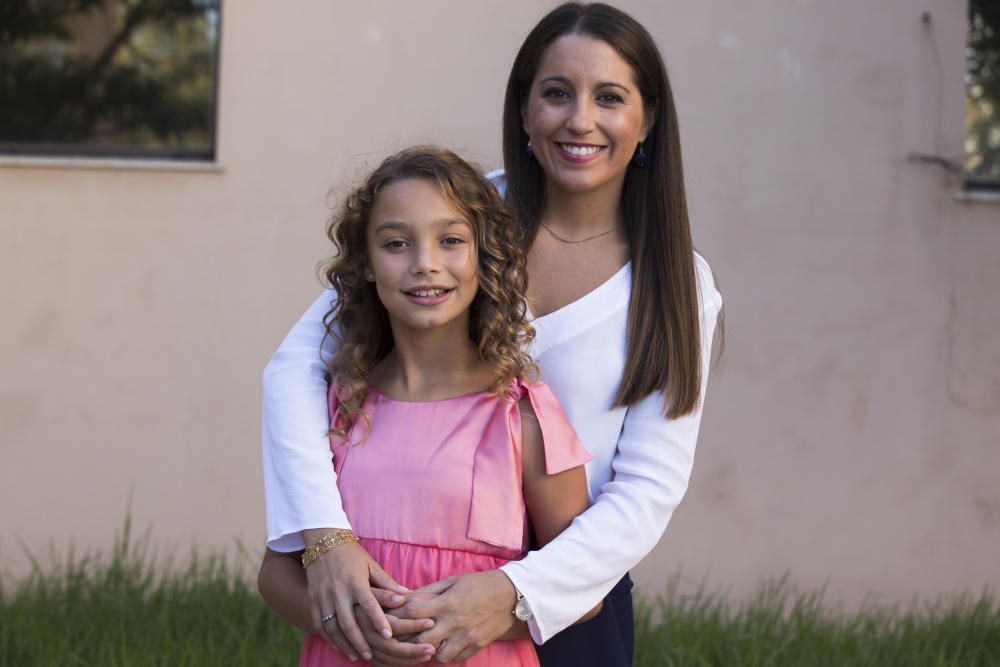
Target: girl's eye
453, 240
555, 93
393, 244
610, 98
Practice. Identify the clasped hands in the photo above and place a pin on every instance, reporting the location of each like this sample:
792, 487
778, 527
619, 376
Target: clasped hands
389, 625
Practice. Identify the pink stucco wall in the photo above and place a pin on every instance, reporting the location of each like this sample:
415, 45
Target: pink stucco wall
852, 433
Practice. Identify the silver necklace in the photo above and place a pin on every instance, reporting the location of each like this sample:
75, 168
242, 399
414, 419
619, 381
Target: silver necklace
589, 238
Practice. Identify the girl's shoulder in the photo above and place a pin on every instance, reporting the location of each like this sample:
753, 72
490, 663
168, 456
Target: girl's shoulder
542, 418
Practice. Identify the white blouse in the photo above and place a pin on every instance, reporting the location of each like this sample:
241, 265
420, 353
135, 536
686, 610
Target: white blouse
642, 460
639, 473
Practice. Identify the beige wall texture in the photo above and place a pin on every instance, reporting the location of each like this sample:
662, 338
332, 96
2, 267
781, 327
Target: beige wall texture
852, 433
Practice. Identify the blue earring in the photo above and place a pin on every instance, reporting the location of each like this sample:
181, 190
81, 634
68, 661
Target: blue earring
529, 151
639, 159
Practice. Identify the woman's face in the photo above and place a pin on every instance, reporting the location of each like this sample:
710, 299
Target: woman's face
584, 114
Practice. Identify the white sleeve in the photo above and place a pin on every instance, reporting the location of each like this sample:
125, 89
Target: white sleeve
566, 578
300, 486
498, 177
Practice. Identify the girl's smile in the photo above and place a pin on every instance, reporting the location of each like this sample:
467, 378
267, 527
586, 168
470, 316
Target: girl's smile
429, 295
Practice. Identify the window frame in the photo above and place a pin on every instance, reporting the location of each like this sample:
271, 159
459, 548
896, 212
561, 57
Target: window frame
13, 152
974, 185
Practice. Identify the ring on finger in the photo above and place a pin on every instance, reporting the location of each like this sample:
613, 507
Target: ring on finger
328, 617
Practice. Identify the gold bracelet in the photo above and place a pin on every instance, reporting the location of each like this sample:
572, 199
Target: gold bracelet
329, 541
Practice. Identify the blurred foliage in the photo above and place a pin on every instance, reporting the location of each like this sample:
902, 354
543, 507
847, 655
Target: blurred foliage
982, 111
108, 76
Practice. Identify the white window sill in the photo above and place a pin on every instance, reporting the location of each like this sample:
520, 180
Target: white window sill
113, 164
977, 196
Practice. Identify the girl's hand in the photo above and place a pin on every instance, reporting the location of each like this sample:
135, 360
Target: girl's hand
340, 579
397, 651
469, 612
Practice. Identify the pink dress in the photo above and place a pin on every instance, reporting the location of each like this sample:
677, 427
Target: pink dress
434, 490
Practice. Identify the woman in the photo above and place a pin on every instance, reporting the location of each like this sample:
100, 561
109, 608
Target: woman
624, 312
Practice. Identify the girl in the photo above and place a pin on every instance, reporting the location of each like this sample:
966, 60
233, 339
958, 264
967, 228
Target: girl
433, 427
625, 313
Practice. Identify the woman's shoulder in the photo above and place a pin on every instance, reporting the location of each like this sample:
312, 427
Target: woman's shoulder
498, 177
708, 290
701, 265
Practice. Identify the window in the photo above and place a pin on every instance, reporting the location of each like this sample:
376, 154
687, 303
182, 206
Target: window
122, 78
982, 101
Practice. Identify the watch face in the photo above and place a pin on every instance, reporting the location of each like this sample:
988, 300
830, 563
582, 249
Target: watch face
521, 610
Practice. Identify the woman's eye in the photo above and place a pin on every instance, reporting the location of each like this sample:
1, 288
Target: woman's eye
610, 98
555, 93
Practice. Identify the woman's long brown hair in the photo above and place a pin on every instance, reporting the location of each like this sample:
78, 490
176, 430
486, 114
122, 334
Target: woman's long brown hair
663, 347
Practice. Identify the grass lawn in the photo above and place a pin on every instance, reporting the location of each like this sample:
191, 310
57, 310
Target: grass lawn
779, 628
128, 610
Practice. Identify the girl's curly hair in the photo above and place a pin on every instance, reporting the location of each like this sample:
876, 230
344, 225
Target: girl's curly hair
358, 321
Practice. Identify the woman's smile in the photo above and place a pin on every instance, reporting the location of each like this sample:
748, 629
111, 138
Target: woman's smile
579, 153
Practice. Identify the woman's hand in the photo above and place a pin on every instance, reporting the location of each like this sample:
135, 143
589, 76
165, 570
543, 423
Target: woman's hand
340, 579
469, 611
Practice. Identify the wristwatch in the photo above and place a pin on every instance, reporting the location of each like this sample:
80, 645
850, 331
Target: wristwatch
522, 611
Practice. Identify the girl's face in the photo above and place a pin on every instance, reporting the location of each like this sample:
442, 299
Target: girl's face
584, 114
422, 256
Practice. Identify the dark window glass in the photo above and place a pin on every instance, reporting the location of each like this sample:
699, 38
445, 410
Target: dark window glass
125, 78
982, 101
